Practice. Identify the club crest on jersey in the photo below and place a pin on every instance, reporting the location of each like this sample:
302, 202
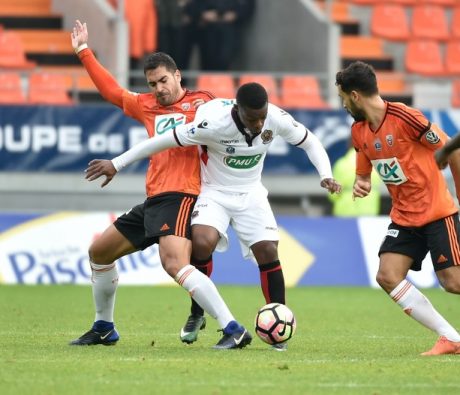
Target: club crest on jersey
185, 106
432, 137
389, 139
378, 145
230, 150
266, 136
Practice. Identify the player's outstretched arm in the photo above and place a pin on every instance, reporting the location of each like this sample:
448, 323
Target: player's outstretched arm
146, 148
105, 83
442, 155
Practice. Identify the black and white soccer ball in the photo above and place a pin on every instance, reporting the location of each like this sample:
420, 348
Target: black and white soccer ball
275, 323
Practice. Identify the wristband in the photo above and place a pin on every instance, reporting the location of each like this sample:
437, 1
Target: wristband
80, 48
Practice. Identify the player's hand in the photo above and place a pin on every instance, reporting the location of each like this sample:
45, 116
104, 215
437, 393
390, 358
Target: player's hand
361, 188
331, 185
79, 34
441, 158
98, 168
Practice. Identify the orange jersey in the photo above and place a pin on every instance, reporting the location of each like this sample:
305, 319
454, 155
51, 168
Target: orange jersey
402, 152
175, 169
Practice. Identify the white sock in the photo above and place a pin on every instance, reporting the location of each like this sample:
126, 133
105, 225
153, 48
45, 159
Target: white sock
205, 293
105, 282
416, 305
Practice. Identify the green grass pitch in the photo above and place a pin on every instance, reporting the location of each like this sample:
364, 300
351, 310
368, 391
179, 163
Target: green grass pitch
348, 341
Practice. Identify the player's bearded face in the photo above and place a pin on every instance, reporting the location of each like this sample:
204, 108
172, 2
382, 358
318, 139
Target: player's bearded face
355, 112
165, 85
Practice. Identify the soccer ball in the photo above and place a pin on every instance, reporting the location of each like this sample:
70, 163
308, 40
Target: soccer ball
275, 323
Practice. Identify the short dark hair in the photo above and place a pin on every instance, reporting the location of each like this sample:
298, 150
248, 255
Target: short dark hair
358, 76
251, 95
158, 59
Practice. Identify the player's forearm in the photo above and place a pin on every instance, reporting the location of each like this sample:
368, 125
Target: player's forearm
317, 155
105, 83
144, 150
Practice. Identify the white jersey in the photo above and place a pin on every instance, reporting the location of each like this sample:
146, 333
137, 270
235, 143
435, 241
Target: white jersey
231, 159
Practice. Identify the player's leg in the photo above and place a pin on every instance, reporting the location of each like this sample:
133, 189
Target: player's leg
257, 229
204, 241
209, 224
402, 250
123, 237
175, 244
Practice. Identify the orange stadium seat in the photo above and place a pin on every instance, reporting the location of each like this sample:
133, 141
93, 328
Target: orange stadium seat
300, 92
45, 40
11, 89
391, 82
390, 21
47, 88
444, 3
267, 81
456, 93
219, 84
429, 22
403, 2
25, 7
424, 57
361, 47
455, 22
12, 54
452, 57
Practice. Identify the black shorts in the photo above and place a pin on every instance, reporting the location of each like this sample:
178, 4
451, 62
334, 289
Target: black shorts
162, 215
440, 238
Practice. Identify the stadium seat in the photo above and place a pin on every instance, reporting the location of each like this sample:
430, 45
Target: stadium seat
45, 41
455, 22
25, 7
456, 93
403, 2
452, 57
267, 81
219, 84
47, 88
301, 92
390, 21
11, 89
424, 57
429, 22
443, 3
361, 47
391, 82
12, 54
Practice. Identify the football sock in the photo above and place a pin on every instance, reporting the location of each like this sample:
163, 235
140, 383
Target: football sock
105, 282
416, 305
272, 282
205, 267
203, 290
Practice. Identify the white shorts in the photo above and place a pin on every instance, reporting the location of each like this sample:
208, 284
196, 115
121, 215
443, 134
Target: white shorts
249, 214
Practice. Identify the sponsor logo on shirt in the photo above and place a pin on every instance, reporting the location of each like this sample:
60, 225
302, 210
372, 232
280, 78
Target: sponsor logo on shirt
390, 171
432, 137
242, 162
166, 122
233, 141
393, 232
378, 145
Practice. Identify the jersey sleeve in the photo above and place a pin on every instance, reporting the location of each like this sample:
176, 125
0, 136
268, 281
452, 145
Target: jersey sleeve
363, 164
289, 129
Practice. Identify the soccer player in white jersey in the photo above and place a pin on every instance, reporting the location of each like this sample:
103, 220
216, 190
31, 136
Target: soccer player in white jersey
234, 139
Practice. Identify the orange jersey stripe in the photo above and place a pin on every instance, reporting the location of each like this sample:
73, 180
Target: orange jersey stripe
453, 240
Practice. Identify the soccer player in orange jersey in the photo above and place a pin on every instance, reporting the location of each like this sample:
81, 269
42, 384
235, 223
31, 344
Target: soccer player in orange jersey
172, 184
399, 142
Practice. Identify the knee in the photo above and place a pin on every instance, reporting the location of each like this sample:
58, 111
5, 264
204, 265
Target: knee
451, 285
265, 252
387, 281
202, 246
